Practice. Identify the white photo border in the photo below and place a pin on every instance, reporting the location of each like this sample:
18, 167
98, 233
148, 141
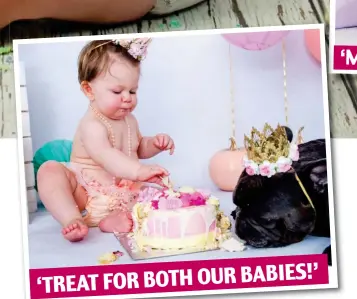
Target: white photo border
333, 279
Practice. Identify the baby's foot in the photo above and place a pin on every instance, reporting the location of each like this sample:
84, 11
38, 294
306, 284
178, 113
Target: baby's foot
75, 231
118, 222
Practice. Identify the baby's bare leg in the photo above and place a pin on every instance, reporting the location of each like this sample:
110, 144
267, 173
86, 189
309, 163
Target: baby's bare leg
63, 198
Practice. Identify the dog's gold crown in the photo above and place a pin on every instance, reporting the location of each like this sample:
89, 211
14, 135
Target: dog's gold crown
269, 144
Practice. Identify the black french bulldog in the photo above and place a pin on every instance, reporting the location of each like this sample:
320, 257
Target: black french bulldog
274, 212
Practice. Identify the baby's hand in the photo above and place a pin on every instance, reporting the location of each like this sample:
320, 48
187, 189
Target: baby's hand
151, 174
164, 142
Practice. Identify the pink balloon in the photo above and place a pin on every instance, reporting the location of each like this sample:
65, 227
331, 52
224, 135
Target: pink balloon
312, 40
256, 40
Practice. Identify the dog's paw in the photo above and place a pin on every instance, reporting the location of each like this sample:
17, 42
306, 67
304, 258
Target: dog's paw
329, 255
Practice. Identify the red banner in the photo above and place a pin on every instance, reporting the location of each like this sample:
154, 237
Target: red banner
179, 276
345, 58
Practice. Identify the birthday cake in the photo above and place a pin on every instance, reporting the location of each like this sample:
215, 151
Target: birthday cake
168, 219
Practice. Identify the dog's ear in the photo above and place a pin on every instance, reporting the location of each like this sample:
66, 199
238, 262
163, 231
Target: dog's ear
247, 182
247, 185
289, 133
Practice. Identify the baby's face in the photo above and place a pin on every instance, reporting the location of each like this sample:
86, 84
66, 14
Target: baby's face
115, 90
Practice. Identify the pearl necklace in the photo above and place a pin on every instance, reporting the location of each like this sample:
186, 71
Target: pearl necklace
111, 132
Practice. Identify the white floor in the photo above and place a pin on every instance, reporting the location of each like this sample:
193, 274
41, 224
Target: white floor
48, 249
346, 37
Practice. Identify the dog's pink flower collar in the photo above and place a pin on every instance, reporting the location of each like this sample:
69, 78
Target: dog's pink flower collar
268, 169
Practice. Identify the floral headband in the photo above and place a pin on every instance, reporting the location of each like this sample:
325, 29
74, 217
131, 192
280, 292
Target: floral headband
136, 47
269, 152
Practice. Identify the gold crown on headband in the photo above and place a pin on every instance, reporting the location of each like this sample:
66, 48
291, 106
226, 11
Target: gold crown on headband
268, 144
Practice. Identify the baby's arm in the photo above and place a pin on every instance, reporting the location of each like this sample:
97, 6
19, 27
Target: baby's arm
95, 141
147, 149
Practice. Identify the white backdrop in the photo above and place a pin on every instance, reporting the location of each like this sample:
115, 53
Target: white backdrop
185, 92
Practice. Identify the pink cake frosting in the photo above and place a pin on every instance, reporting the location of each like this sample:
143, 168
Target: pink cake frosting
173, 219
168, 199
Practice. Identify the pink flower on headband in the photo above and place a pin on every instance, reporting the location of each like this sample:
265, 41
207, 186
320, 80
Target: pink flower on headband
251, 167
250, 170
136, 47
283, 164
125, 43
267, 169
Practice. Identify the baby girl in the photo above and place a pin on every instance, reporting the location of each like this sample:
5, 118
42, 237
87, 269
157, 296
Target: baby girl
100, 184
